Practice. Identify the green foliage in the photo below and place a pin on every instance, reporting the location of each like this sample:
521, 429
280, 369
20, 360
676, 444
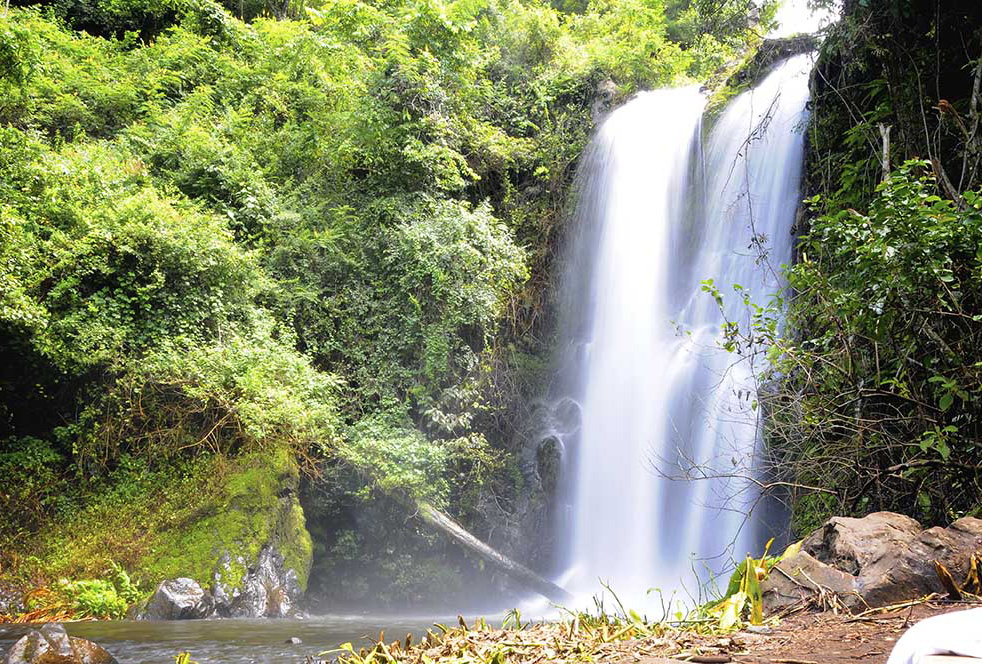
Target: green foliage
875, 403
249, 392
400, 458
872, 70
18, 55
33, 483
316, 236
99, 598
161, 523
890, 302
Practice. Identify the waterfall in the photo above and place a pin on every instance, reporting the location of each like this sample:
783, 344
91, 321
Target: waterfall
661, 208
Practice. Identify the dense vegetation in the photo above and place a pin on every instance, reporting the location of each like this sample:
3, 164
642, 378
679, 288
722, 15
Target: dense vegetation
313, 232
874, 398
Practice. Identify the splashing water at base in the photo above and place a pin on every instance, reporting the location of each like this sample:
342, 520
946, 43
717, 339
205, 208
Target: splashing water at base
659, 211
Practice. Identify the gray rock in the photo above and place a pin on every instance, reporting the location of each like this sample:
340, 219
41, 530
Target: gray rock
851, 545
268, 590
800, 576
901, 573
875, 561
224, 594
758, 629
52, 645
178, 599
602, 102
293, 640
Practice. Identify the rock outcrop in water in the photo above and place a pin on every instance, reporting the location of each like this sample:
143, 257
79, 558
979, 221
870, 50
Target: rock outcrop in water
178, 599
52, 645
269, 589
878, 560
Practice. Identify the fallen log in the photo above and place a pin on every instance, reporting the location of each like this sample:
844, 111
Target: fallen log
440, 521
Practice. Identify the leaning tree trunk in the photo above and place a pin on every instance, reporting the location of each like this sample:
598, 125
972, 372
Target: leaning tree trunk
442, 522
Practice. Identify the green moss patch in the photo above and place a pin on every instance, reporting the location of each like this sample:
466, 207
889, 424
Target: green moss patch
178, 521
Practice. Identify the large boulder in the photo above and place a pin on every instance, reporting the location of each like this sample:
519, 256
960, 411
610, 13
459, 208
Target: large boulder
268, 588
52, 645
178, 599
881, 559
851, 545
905, 572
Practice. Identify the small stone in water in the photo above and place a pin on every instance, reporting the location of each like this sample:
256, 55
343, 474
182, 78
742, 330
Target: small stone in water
293, 641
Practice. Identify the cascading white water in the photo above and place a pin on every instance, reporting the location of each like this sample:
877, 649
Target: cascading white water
660, 210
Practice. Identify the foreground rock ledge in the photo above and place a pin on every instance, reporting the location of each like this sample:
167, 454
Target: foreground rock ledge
881, 559
52, 645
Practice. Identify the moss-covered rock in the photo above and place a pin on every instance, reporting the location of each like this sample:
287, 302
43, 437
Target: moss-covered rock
257, 508
235, 526
249, 547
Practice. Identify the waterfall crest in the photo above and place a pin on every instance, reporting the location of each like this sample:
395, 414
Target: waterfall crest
660, 209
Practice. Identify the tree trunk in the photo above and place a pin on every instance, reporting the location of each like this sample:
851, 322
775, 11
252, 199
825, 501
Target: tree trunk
440, 521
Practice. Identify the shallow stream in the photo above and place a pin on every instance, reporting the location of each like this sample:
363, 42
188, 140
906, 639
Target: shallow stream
236, 641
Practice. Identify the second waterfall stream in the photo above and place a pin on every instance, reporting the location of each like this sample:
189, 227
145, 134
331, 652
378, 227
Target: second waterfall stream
647, 396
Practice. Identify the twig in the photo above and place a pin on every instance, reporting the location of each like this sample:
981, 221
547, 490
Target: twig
893, 607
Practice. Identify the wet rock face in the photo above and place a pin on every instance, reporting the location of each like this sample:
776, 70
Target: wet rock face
881, 559
603, 101
52, 645
268, 589
769, 53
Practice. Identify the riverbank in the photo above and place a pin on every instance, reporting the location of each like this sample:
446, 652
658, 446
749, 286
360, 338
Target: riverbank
801, 638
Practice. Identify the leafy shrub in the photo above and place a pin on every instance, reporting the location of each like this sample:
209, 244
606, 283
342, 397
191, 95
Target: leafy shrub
33, 482
459, 266
19, 54
99, 598
135, 274
398, 458
245, 393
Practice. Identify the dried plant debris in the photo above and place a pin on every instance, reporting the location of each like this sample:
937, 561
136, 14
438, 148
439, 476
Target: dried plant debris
580, 638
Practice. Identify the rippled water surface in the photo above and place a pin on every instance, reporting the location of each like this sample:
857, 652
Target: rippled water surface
232, 641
